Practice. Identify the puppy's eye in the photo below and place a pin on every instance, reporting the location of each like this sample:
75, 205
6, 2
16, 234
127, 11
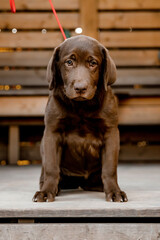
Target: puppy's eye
69, 62
93, 63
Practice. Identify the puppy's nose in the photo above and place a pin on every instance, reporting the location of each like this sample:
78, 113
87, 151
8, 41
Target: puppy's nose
80, 87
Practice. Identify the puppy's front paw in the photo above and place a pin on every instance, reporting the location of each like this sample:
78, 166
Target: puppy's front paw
116, 196
43, 196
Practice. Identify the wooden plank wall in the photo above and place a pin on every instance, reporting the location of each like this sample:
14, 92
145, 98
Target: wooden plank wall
130, 29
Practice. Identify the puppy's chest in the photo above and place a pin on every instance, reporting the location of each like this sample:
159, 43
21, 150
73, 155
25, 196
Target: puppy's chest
83, 136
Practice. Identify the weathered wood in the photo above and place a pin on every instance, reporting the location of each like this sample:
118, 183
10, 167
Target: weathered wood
52, 39
38, 20
41, 58
23, 106
80, 231
35, 77
131, 111
89, 17
74, 5
30, 39
134, 113
129, 20
130, 4
138, 76
41, 5
135, 57
25, 58
130, 39
13, 146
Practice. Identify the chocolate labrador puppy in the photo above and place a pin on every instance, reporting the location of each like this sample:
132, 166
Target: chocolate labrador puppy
80, 145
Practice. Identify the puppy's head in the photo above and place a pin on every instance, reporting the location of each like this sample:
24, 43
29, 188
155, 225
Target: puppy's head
79, 65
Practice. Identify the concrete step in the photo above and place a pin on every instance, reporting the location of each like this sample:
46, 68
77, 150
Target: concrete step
140, 182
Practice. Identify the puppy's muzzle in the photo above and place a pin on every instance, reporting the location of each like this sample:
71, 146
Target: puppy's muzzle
80, 87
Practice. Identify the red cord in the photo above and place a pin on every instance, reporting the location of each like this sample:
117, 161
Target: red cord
12, 5
13, 9
57, 19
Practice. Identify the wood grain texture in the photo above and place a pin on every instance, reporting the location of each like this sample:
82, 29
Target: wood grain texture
128, 4
80, 231
53, 39
141, 76
130, 112
31, 39
135, 57
89, 17
25, 58
38, 20
130, 39
41, 5
129, 20
35, 77
41, 58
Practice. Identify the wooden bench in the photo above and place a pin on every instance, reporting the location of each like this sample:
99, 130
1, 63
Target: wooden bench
131, 33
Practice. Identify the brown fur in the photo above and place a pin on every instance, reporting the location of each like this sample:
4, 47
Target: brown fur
80, 145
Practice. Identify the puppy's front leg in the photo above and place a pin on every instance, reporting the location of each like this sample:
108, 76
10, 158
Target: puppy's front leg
52, 156
110, 155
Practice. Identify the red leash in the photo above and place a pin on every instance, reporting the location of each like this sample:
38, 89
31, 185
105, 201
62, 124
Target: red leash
57, 19
13, 9
12, 5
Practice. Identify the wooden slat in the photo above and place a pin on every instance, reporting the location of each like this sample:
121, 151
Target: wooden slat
25, 58
22, 106
138, 76
135, 153
139, 111
89, 17
41, 58
37, 20
37, 77
129, 20
74, 4
140, 101
137, 92
13, 146
132, 111
30, 40
130, 39
23, 77
41, 5
140, 135
128, 4
135, 57
52, 39
26, 92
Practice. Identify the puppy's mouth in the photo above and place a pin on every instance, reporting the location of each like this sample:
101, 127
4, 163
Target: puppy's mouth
80, 98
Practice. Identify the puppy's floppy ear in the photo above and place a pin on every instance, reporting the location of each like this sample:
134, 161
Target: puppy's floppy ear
53, 70
109, 69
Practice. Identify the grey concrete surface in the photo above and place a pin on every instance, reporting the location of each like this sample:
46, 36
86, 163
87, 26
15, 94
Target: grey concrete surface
140, 182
